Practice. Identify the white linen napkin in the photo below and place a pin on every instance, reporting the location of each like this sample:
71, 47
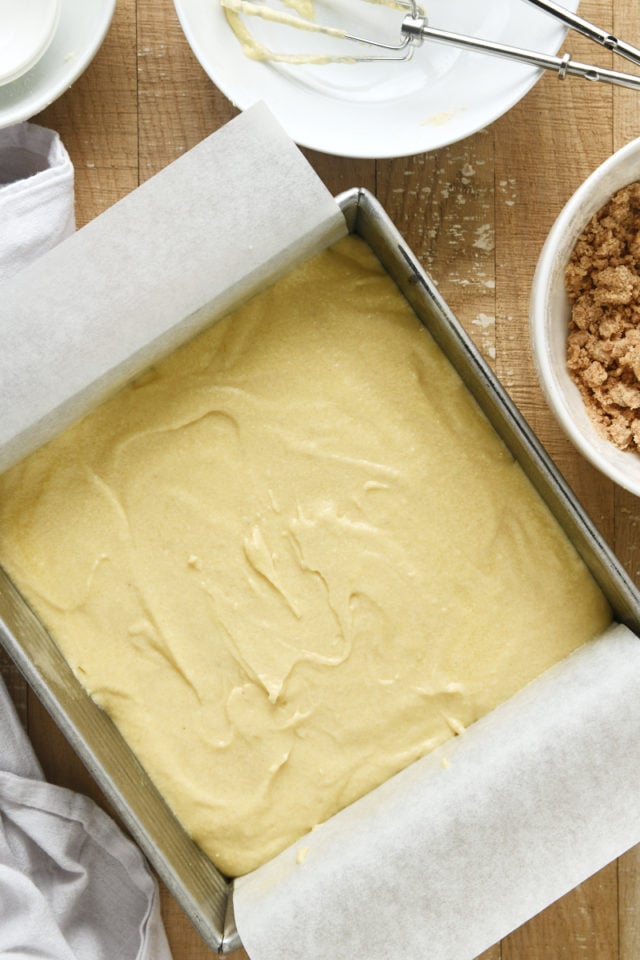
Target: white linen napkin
36, 195
72, 886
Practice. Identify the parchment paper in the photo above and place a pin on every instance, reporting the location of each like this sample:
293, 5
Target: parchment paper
467, 844
192, 242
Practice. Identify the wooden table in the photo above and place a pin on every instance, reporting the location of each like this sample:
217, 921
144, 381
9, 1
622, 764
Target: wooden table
476, 214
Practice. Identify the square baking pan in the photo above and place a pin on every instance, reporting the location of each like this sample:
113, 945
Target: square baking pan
204, 894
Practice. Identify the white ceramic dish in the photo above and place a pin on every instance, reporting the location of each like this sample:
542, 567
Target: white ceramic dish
550, 316
379, 109
28, 27
81, 29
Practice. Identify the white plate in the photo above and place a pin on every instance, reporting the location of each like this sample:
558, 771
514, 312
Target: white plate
81, 29
379, 109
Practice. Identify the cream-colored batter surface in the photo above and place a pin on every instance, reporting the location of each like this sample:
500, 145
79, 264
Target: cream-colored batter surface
292, 558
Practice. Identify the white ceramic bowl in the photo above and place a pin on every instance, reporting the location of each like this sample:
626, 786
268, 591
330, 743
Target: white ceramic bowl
549, 317
378, 109
26, 30
82, 27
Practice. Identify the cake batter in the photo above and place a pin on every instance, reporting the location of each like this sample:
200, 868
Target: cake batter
293, 557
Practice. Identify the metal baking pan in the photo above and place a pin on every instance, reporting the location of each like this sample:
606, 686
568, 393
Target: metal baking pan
204, 894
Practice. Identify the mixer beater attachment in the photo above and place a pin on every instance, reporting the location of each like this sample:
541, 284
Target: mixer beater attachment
415, 29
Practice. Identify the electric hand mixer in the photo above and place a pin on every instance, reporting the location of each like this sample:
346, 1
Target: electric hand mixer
415, 29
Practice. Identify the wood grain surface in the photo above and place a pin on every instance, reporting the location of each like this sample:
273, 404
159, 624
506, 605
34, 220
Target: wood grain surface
476, 214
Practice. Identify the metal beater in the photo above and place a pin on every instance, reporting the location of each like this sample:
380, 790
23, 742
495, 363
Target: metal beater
415, 29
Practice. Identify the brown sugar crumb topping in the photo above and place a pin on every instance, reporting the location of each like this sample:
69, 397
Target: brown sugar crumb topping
603, 349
